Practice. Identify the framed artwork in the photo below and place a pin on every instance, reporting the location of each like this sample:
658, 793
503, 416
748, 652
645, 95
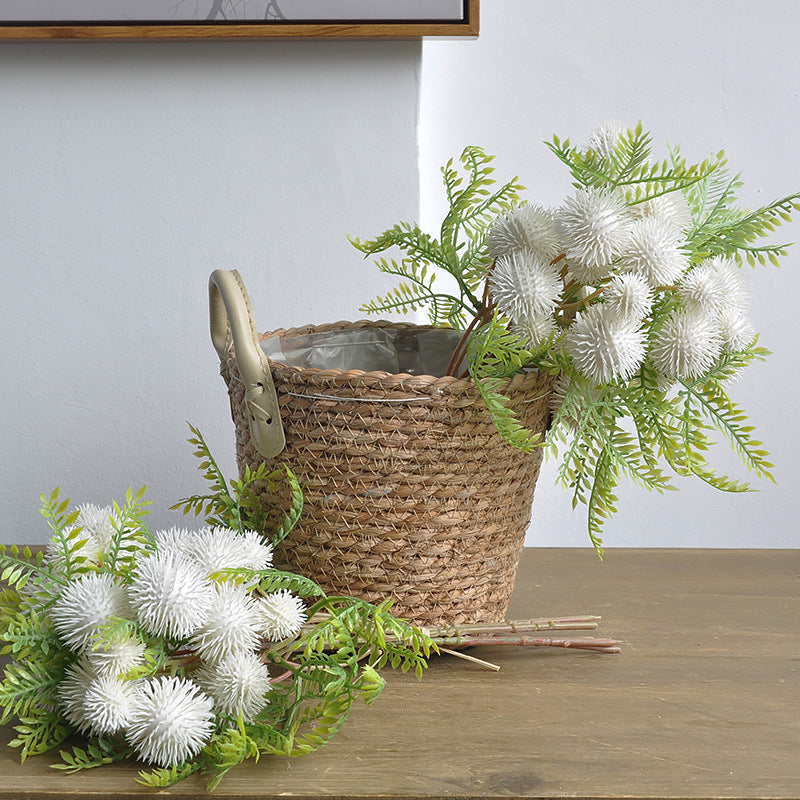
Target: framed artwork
193, 19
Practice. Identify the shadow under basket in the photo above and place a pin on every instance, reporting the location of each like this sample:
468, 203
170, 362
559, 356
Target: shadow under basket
410, 492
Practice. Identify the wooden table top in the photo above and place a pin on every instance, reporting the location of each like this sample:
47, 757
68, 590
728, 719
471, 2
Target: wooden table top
703, 701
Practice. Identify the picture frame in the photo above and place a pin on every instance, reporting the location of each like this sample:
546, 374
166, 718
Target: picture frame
236, 19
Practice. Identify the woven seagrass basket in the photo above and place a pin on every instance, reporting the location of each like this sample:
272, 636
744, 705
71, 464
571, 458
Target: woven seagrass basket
410, 493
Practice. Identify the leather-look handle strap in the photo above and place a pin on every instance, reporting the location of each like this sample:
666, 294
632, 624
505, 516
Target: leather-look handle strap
231, 319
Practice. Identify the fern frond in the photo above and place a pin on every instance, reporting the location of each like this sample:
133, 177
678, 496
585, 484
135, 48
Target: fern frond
228, 749
19, 566
38, 731
29, 685
414, 292
272, 580
161, 778
730, 420
409, 237
99, 752
130, 535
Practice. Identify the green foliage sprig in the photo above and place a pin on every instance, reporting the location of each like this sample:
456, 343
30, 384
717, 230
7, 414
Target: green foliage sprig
316, 674
641, 410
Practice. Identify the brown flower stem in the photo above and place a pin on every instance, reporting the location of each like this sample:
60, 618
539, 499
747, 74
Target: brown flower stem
585, 622
459, 354
284, 676
579, 305
595, 645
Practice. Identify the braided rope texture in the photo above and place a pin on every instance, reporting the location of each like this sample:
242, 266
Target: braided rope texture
415, 496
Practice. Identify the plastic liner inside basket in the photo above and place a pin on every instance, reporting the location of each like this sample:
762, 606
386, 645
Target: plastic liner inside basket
394, 350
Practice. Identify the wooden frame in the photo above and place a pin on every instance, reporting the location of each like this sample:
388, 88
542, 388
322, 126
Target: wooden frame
463, 23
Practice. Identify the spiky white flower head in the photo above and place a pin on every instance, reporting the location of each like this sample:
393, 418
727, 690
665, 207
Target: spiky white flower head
629, 295
231, 627
215, 549
281, 615
594, 226
670, 207
99, 522
116, 657
170, 720
526, 227
654, 251
71, 693
525, 285
86, 604
256, 554
735, 330
729, 276
170, 594
107, 704
534, 330
605, 346
687, 345
607, 136
174, 540
703, 289
236, 684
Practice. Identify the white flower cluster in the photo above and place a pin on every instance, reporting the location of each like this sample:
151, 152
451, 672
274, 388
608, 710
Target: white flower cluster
178, 595
608, 260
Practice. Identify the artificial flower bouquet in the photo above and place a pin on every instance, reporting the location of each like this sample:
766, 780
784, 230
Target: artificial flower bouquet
630, 294
186, 650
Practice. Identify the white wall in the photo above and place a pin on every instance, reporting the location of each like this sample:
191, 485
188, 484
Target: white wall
128, 172
708, 75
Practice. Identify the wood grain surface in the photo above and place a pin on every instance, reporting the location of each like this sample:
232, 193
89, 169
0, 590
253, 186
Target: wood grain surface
702, 702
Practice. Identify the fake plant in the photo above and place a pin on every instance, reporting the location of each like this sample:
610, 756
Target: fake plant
629, 293
183, 649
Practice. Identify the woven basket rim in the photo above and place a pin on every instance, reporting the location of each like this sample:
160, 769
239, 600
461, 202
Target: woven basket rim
360, 379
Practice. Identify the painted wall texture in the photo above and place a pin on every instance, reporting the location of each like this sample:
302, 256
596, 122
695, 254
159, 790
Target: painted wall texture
708, 75
130, 171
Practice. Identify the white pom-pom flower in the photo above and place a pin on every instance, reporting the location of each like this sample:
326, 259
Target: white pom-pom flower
86, 604
736, 331
687, 345
99, 522
215, 549
174, 540
594, 226
281, 615
607, 136
71, 692
605, 346
730, 277
534, 331
629, 296
526, 227
654, 251
116, 657
107, 704
237, 684
704, 289
525, 285
670, 207
171, 595
170, 720
231, 627
256, 554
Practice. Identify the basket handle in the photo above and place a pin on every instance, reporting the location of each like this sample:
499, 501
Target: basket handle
231, 318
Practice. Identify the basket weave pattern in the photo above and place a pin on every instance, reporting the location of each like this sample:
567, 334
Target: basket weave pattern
409, 490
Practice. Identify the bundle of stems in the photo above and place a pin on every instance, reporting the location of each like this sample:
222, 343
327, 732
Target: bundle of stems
453, 639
